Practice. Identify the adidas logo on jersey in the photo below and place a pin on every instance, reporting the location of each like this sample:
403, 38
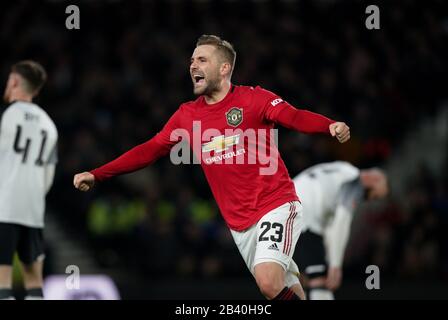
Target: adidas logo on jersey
273, 247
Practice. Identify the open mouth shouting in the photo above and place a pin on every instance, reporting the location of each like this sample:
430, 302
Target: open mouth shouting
198, 79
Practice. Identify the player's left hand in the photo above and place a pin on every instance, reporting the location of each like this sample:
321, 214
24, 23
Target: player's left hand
340, 130
334, 278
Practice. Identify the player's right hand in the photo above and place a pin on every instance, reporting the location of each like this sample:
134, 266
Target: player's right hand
84, 181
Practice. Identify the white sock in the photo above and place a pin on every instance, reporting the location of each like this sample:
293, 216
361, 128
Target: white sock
320, 294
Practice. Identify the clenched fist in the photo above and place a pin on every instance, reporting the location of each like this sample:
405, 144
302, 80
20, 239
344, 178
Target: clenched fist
84, 181
340, 130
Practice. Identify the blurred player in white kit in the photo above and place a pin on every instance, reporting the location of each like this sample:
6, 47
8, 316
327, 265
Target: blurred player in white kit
28, 158
330, 193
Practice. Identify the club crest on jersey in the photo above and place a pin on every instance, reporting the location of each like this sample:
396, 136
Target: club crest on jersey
234, 116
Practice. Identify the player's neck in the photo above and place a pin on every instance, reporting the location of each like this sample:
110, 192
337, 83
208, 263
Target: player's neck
20, 96
218, 96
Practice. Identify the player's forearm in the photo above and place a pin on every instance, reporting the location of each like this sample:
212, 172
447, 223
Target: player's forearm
133, 160
337, 235
49, 176
303, 120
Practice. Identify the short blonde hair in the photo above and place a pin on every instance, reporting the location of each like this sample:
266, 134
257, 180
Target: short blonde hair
224, 47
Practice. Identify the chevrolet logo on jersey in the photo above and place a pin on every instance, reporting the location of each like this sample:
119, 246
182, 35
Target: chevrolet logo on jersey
220, 143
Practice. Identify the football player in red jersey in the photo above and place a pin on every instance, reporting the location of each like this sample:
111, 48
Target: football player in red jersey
234, 125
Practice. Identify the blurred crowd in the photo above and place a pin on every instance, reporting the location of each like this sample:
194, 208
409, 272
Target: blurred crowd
114, 83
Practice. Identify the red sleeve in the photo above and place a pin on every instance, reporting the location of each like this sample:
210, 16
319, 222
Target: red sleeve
276, 110
143, 154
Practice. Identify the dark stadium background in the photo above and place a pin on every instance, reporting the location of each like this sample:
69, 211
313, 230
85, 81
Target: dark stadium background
158, 233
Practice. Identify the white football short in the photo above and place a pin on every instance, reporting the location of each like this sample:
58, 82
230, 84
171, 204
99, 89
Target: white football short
273, 239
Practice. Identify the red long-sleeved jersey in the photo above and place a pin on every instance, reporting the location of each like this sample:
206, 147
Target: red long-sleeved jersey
233, 139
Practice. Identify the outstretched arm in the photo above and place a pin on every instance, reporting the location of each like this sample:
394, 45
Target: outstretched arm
133, 160
309, 122
277, 110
